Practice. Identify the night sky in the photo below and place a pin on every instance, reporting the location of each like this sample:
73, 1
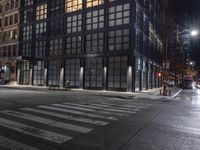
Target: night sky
191, 8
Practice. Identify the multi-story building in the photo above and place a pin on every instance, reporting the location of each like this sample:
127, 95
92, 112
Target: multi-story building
9, 41
93, 44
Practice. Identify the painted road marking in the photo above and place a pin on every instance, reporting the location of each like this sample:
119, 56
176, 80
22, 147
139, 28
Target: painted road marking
114, 109
48, 122
14, 145
96, 107
90, 110
69, 117
77, 112
177, 93
34, 131
127, 107
177, 98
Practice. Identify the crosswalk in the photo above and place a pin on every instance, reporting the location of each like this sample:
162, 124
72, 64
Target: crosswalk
180, 98
60, 123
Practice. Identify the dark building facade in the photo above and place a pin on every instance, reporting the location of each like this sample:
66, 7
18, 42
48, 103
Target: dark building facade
93, 44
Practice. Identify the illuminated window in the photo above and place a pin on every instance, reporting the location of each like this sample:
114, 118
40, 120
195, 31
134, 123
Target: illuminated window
91, 3
41, 12
73, 5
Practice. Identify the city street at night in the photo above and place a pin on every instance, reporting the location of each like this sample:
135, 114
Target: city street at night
46, 120
99, 75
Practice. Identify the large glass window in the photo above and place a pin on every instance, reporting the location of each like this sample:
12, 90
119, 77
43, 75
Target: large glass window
119, 14
94, 73
72, 71
91, 3
40, 30
118, 40
117, 72
56, 7
95, 42
25, 72
137, 74
28, 2
28, 15
74, 23
55, 47
41, 12
40, 49
73, 5
56, 27
95, 19
54, 73
73, 45
38, 73
26, 49
27, 33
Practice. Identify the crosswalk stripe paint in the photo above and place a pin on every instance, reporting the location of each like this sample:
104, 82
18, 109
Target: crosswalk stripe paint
69, 117
177, 98
74, 107
33, 131
77, 112
127, 107
49, 122
14, 145
94, 107
91, 110
114, 109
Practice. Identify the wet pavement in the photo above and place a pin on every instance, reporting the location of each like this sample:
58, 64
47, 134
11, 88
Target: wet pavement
46, 120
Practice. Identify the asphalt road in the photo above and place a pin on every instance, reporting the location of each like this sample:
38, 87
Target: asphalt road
46, 120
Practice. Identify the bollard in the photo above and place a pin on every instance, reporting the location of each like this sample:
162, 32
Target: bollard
170, 92
160, 92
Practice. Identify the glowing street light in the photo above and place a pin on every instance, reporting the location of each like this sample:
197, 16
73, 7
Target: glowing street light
194, 32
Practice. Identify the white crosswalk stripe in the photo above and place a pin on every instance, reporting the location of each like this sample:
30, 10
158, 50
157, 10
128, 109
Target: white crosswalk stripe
77, 112
102, 111
14, 145
128, 107
99, 114
49, 122
34, 131
110, 108
69, 117
98, 107
177, 98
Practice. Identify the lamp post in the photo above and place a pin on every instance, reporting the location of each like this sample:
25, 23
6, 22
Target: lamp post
194, 33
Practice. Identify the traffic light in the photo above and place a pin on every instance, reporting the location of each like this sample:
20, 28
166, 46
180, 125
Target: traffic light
159, 74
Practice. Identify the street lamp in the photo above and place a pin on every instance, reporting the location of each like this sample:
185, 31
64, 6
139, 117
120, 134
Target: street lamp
194, 33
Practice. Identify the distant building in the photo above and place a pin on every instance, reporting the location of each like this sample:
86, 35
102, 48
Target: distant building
93, 44
9, 38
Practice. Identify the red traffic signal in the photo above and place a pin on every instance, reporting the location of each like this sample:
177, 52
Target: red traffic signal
159, 74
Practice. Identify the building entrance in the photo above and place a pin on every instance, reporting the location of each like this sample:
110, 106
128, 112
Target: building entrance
94, 73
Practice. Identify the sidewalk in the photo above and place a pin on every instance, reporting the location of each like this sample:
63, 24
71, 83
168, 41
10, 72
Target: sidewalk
151, 93
155, 93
